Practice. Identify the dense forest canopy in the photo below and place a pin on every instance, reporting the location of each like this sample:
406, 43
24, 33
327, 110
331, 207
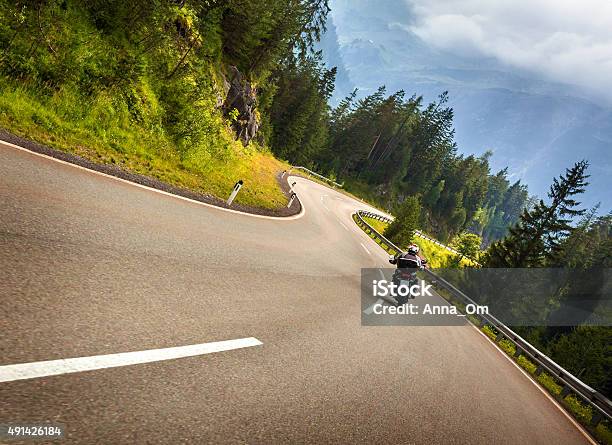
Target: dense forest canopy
397, 147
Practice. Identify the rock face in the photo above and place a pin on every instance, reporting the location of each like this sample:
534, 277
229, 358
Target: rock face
242, 97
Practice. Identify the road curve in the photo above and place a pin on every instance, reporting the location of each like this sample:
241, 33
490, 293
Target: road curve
90, 265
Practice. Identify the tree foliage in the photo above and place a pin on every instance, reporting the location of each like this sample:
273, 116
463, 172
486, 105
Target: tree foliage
468, 245
396, 147
299, 110
537, 239
401, 230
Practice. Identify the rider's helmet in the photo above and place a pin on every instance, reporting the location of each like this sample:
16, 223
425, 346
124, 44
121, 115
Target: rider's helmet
413, 249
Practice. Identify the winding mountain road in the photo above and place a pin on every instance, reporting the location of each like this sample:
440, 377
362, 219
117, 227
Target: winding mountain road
91, 265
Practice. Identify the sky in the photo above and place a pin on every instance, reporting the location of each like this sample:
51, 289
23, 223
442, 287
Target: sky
529, 80
560, 40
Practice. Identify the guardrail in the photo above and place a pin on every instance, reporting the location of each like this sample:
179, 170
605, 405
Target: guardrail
601, 405
416, 232
323, 178
385, 243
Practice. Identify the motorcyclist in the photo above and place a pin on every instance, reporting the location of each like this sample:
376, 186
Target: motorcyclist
408, 260
407, 265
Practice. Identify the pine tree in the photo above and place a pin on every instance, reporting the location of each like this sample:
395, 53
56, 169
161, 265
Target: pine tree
537, 238
401, 230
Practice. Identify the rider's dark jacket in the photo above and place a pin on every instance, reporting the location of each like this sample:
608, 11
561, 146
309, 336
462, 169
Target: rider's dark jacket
407, 261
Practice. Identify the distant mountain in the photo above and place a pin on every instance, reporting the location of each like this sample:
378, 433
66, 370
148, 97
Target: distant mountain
536, 128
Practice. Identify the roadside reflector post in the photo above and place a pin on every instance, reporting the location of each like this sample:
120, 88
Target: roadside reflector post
234, 192
291, 200
283, 175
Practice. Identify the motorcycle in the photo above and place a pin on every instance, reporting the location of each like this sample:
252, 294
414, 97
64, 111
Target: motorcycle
406, 275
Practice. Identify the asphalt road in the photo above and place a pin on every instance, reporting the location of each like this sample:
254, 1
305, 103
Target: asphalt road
90, 265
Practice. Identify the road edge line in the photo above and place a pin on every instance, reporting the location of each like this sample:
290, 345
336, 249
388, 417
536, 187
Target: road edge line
573, 421
152, 189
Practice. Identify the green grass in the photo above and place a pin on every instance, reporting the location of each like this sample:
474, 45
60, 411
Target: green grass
377, 225
387, 248
111, 95
437, 256
103, 131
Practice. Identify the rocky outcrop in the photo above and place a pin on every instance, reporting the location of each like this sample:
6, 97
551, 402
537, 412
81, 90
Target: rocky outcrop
240, 106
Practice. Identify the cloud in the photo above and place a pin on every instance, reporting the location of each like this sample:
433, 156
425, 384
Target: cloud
568, 41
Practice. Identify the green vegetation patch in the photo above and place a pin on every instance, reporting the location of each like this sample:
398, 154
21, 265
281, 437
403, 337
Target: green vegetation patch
130, 85
376, 224
101, 131
437, 256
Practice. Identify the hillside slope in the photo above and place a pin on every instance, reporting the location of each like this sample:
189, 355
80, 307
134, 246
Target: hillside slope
148, 97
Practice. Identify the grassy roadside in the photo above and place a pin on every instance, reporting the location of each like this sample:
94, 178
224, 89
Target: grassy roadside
103, 132
437, 257
375, 236
377, 225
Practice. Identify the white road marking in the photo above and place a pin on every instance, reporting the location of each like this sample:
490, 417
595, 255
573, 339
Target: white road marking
22, 371
323, 204
370, 309
342, 224
151, 189
365, 248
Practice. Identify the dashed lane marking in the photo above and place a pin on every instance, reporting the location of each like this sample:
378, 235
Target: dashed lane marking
23, 371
